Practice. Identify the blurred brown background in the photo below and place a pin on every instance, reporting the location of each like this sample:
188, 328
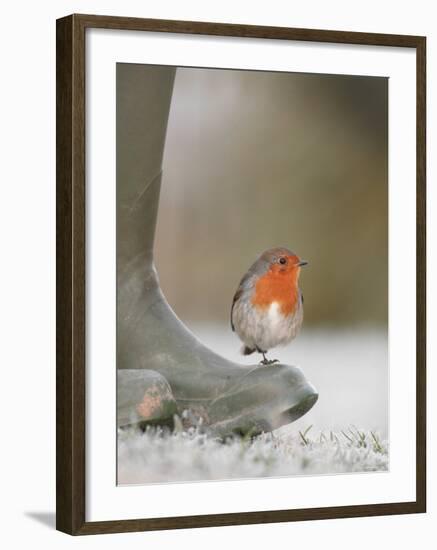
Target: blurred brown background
259, 159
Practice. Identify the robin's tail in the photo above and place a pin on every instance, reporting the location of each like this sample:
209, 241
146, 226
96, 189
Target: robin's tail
245, 350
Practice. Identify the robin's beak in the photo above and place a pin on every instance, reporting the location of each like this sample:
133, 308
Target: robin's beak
302, 263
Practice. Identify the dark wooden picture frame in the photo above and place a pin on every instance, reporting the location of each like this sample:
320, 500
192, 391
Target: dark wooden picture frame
70, 275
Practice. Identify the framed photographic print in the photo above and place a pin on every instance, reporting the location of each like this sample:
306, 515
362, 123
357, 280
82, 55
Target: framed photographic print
240, 274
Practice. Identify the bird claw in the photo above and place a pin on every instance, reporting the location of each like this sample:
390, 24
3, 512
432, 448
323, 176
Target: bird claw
268, 361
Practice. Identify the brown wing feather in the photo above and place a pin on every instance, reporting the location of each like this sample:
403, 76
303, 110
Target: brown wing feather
258, 268
244, 283
237, 296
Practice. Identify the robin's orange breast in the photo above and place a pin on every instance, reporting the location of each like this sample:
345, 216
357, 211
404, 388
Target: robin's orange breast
277, 287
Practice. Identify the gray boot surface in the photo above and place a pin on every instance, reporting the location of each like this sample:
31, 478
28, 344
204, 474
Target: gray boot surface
163, 368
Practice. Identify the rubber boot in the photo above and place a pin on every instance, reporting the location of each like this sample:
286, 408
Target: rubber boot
229, 397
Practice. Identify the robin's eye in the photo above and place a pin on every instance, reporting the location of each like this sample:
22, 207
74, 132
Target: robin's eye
282, 261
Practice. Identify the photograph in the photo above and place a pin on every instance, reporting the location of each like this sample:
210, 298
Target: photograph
252, 274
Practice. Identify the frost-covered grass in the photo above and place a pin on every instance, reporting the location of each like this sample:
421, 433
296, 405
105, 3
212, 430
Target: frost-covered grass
157, 456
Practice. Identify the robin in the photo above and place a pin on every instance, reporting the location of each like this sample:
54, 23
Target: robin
267, 309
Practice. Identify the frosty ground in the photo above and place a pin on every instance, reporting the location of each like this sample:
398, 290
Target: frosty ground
346, 431
156, 456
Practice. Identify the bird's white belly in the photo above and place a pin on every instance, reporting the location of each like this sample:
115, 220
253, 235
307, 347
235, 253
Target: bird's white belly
273, 328
268, 328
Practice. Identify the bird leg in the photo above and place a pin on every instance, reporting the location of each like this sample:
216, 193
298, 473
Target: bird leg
266, 361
